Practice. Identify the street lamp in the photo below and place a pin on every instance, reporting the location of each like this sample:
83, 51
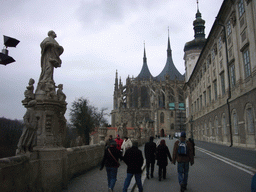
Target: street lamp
8, 42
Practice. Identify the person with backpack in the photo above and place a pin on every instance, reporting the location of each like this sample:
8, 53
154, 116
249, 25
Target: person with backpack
183, 154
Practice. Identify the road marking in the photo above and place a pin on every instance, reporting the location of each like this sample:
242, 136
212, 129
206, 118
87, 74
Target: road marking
245, 168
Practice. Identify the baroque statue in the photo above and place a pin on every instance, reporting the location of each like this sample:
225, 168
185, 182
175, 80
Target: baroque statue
50, 59
29, 93
28, 138
50, 52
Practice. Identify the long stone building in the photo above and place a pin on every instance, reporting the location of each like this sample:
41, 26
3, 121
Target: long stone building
220, 87
154, 102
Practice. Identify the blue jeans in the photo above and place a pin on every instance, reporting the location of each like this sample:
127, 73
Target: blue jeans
111, 173
183, 169
128, 181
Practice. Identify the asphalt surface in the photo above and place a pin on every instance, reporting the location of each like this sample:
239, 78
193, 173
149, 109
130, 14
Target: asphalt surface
207, 174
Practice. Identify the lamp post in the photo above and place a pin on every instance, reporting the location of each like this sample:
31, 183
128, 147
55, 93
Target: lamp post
5, 59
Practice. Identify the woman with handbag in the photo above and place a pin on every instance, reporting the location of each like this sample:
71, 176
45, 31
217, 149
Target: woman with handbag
111, 161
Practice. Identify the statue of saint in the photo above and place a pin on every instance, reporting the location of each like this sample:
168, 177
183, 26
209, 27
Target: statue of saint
28, 138
60, 94
50, 52
29, 93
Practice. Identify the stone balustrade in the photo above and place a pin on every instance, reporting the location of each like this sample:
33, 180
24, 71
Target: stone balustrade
47, 169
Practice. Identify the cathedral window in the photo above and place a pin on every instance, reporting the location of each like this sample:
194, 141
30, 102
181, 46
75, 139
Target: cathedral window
162, 117
216, 126
205, 98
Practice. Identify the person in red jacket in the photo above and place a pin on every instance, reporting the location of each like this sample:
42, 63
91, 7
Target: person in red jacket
119, 142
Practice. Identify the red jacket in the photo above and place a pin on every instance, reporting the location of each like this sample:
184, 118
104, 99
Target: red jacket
118, 143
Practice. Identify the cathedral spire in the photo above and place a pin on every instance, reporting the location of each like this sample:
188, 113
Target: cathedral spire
169, 70
144, 73
169, 51
116, 81
144, 58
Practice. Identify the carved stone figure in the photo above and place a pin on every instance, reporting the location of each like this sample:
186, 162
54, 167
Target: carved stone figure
29, 93
28, 138
50, 52
61, 96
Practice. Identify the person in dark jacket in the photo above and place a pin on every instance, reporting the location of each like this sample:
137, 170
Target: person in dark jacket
110, 160
162, 152
134, 161
110, 140
183, 160
150, 155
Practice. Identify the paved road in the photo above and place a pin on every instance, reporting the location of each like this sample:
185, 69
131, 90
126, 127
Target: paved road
209, 173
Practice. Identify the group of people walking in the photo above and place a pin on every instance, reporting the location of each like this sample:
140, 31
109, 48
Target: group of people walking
128, 151
183, 153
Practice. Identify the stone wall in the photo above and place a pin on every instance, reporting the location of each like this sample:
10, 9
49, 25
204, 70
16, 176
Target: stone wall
44, 171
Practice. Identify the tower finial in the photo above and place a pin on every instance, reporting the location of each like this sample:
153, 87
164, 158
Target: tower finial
197, 5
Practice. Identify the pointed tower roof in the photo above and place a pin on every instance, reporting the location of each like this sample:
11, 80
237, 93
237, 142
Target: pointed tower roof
144, 73
170, 70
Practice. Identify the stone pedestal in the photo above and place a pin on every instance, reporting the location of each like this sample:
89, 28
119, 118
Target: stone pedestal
52, 172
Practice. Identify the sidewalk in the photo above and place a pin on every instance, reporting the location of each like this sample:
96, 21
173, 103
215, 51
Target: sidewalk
96, 180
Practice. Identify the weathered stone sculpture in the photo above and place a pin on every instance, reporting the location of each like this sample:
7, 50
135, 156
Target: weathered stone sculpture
28, 138
61, 96
50, 52
51, 105
29, 93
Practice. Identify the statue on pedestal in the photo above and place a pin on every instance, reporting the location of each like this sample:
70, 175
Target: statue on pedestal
28, 138
50, 52
29, 93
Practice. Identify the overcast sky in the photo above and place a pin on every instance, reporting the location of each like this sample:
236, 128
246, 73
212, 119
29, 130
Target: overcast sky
98, 37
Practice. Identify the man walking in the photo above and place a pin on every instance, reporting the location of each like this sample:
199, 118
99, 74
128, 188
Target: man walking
150, 155
183, 154
134, 161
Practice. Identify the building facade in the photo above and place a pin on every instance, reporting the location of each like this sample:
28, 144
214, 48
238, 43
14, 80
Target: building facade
147, 101
220, 90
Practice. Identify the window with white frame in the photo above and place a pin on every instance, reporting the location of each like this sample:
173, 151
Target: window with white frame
241, 8
232, 75
220, 42
229, 28
247, 67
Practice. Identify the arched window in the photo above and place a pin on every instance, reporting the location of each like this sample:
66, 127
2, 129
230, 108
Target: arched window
224, 124
162, 117
235, 122
249, 119
172, 126
216, 125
